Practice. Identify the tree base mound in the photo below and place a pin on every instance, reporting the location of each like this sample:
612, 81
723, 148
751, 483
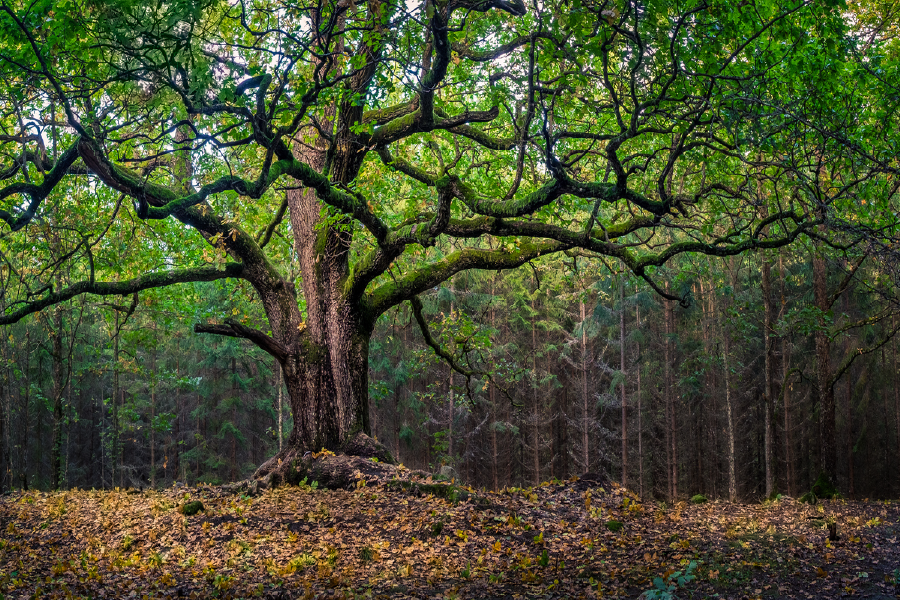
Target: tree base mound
360, 461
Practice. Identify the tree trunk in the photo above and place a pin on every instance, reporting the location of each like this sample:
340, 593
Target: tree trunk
896, 384
4, 411
640, 425
116, 455
234, 403
451, 401
622, 384
152, 417
769, 397
179, 409
848, 418
58, 392
325, 352
824, 384
535, 414
493, 401
671, 438
729, 416
732, 479
585, 403
280, 383
785, 370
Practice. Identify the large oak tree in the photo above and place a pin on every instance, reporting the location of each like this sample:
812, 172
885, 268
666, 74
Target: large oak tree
343, 157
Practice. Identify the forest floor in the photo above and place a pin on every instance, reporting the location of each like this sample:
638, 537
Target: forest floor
552, 541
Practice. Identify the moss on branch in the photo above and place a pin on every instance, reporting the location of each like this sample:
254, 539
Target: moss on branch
122, 288
431, 274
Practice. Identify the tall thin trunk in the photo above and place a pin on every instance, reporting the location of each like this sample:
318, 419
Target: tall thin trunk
729, 414
234, 393
769, 398
535, 415
179, 410
671, 436
4, 387
707, 371
58, 393
23, 427
122, 443
152, 417
280, 384
785, 370
640, 425
848, 407
824, 385
202, 437
896, 385
493, 401
848, 418
116, 444
622, 384
451, 401
585, 404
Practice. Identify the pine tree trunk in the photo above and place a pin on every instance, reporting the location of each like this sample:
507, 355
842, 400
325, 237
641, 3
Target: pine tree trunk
896, 384
732, 479
535, 415
670, 401
769, 398
785, 370
729, 416
4, 411
23, 427
58, 392
585, 403
234, 402
823, 371
640, 425
116, 457
493, 401
622, 385
179, 415
848, 418
152, 417
451, 402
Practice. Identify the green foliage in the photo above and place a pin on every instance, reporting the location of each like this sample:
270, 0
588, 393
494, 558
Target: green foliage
698, 499
665, 588
824, 488
189, 509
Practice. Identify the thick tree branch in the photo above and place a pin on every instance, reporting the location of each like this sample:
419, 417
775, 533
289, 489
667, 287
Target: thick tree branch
37, 192
121, 288
232, 328
427, 276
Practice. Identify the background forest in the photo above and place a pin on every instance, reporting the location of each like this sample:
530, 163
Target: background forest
591, 371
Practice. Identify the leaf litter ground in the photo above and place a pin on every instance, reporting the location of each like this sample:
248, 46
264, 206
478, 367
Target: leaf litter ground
559, 540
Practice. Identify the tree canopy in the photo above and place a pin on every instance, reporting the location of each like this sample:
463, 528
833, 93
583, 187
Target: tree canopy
337, 159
